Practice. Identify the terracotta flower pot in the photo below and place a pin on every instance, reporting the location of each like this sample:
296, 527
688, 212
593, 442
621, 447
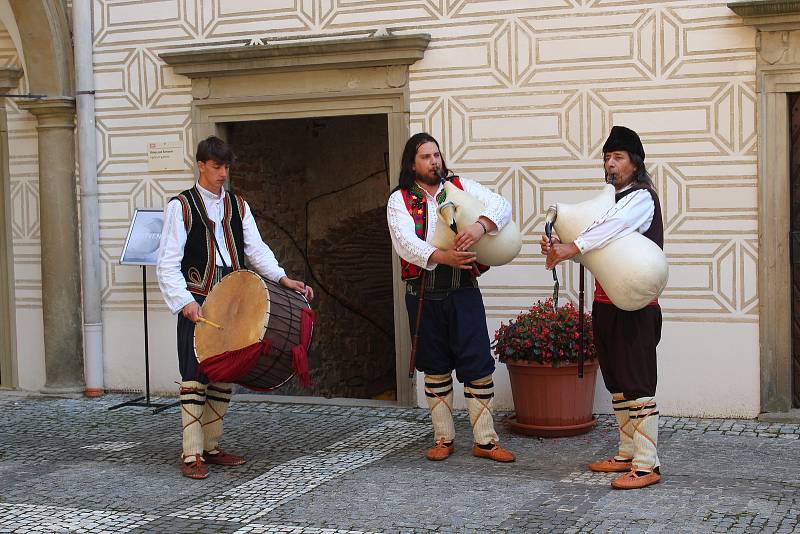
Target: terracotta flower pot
552, 401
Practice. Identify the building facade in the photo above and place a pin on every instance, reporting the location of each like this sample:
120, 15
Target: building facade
521, 96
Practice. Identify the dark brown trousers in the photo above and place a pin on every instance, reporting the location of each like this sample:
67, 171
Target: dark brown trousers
626, 348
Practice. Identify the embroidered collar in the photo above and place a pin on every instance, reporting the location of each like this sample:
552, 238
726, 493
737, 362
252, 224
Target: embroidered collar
417, 191
208, 194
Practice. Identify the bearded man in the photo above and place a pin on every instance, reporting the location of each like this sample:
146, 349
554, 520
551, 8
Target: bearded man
452, 327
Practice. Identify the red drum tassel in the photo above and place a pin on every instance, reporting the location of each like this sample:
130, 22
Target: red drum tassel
300, 351
232, 365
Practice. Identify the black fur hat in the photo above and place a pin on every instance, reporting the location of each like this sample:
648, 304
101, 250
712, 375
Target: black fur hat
622, 138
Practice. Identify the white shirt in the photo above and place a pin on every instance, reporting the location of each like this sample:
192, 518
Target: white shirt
633, 213
173, 239
401, 224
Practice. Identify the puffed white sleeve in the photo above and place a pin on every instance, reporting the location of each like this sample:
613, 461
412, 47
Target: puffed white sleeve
632, 213
404, 237
498, 209
170, 255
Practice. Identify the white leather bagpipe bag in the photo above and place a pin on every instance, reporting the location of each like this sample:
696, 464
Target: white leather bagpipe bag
632, 269
464, 209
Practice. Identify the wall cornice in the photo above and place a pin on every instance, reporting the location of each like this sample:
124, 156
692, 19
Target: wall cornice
768, 15
9, 78
57, 112
298, 56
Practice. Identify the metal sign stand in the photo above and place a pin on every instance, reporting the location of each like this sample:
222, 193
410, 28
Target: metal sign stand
159, 407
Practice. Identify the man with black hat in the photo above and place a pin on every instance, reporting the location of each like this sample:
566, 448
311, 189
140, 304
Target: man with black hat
625, 340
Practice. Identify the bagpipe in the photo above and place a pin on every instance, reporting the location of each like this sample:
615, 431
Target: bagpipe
459, 210
632, 269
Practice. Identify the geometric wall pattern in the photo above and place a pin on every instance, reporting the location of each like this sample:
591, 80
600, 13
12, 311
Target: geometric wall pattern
521, 95
24, 188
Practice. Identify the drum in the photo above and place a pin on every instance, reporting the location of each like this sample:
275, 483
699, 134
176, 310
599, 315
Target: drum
256, 333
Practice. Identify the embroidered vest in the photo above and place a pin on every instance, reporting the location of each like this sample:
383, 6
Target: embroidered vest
417, 205
655, 234
200, 254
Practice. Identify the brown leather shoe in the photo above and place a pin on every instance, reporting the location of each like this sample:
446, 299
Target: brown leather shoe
223, 458
440, 451
611, 465
496, 453
634, 480
196, 469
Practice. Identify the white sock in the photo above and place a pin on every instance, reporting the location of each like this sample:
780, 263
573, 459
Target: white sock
193, 400
644, 418
479, 396
622, 412
218, 396
439, 393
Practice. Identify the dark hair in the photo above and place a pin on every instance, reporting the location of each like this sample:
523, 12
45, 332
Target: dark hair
214, 148
407, 174
641, 175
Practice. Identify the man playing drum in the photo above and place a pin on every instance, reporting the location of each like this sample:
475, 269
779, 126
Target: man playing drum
625, 340
452, 330
207, 234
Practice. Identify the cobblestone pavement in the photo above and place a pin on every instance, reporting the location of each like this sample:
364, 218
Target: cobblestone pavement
72, 466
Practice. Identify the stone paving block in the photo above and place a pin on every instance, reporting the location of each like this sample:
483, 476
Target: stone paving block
70, 465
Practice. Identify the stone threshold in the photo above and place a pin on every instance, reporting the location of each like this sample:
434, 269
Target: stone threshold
792, 416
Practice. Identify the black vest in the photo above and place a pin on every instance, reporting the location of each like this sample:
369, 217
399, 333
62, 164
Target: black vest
200, 254
656, 231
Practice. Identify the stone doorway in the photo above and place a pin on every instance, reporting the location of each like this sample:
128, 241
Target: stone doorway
794, 228
318, 189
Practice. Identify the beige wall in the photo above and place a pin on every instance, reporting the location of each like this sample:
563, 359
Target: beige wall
521, 98
24, 190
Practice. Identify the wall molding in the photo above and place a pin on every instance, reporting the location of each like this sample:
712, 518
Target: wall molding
309, 54
777, 74
312, 79
768, 14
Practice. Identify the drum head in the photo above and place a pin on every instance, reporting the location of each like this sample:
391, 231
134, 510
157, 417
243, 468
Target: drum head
240, 304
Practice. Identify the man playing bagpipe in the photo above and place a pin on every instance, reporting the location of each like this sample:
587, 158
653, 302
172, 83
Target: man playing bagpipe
445, 307
625, 340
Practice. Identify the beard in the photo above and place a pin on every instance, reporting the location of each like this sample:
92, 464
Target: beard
429, 179
611, 178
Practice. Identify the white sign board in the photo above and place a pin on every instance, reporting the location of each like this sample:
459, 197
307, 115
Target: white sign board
144, 235
166, 156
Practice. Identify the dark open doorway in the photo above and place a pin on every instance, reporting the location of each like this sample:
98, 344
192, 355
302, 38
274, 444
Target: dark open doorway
794, 110
318, 189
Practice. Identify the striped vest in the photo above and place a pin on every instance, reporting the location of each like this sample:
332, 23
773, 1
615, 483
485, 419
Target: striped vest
198, 265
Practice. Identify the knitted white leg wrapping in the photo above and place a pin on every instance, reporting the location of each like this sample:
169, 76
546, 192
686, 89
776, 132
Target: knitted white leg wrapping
479, 397
622, 412
193, 400
644, 418
218, 396
439, 393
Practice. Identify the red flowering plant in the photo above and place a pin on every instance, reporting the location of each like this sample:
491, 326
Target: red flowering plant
545, 335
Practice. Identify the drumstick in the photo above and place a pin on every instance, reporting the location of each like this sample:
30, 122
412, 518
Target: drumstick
210, 323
